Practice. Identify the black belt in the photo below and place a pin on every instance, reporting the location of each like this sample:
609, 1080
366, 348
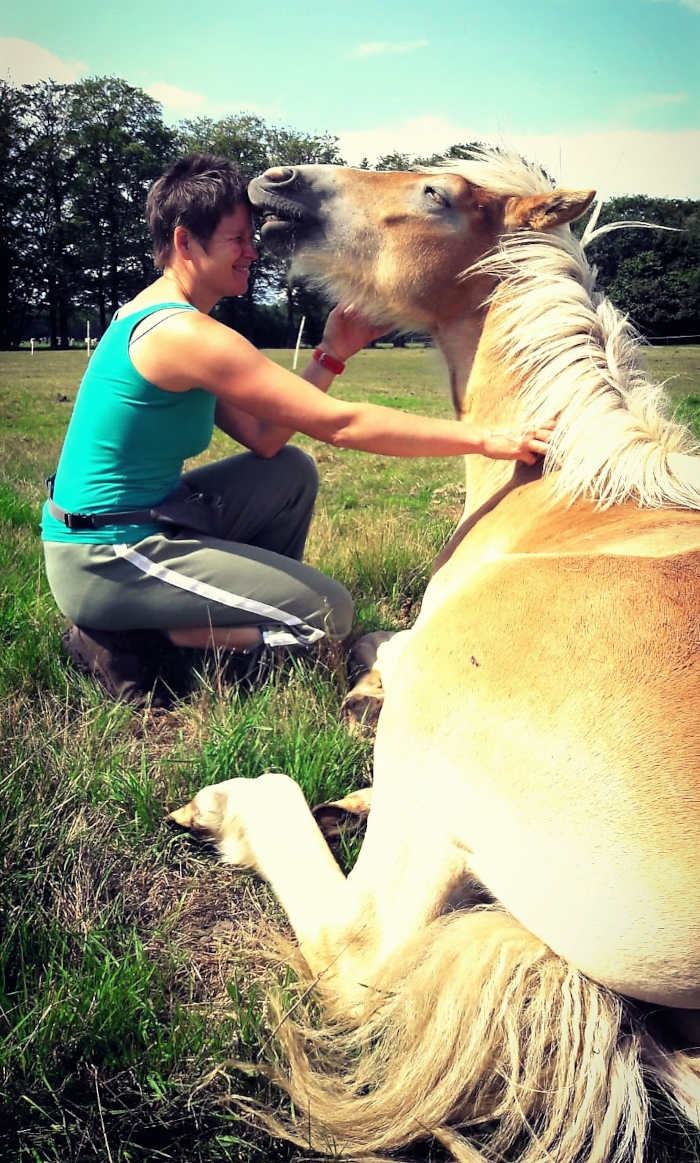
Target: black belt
76, 521
184, 508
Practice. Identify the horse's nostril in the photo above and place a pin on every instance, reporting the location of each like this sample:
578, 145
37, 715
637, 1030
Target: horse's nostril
279, 174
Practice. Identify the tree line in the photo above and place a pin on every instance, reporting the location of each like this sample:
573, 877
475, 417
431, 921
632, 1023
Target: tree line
76, 162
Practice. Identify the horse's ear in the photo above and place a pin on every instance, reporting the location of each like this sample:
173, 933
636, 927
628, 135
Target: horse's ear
545, 211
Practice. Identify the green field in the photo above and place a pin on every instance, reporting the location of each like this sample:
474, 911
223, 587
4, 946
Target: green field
128, 978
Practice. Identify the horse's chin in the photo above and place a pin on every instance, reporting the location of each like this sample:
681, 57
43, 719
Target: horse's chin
279, 235
287, 239
316, 267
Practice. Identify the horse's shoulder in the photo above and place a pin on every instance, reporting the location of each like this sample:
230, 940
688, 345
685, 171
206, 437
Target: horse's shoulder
571, 609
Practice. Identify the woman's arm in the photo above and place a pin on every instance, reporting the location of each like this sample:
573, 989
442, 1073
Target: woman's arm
346, 333
193, 350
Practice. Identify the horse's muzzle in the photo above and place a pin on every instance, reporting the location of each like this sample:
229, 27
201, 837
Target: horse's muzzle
290, 199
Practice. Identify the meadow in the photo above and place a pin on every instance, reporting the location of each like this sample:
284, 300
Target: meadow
130, 982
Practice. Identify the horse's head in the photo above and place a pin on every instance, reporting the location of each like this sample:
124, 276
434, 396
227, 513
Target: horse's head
398, 244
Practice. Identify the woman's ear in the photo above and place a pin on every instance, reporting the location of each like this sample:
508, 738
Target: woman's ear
182, 242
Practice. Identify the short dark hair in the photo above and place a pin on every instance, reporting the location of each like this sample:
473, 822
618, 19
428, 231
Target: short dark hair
195, 191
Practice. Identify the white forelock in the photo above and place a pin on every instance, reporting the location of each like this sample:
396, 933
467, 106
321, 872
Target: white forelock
498, 171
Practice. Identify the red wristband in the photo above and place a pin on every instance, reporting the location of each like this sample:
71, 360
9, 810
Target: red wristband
329, 362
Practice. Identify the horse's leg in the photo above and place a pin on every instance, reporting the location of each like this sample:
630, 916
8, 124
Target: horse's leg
369, 665
346, 927
264, 824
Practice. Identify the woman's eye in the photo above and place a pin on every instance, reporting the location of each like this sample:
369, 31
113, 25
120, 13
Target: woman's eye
435, 196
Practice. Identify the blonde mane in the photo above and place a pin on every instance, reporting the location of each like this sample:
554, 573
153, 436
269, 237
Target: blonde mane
577, 357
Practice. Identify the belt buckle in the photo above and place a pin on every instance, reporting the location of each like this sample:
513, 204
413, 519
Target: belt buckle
77, 521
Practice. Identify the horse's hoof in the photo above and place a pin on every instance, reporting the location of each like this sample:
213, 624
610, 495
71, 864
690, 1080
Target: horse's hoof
335, 817
360, 709
219, 814
363, 654
184, 817
203, 815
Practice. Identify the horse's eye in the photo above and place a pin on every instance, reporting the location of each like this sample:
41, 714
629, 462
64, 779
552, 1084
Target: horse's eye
435, 196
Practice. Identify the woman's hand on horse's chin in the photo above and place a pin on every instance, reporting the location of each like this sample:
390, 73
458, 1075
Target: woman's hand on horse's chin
347, 331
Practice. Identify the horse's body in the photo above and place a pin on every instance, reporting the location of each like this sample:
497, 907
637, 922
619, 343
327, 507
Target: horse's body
538, 734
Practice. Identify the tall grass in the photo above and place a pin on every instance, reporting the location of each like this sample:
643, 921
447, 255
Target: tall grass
129, 976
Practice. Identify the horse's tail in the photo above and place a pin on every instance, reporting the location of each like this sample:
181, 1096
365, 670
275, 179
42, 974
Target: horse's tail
479, 1035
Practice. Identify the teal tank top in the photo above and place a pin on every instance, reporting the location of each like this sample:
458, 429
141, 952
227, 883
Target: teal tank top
126, 441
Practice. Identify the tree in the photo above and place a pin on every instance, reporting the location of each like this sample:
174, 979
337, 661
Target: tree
76, 162
394, 161
241, 137
48, 169
15, 286
406, 161
653, 276
120, 146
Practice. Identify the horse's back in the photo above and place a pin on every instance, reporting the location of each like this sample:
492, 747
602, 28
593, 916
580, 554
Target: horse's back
553, 695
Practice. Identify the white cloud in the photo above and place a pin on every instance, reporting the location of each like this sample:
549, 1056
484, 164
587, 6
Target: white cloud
419, 135
22, 62
376, 48
645, 101
183, 103
178, 100
660, 164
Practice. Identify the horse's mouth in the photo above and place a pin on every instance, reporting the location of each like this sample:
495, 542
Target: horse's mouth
277, 231
284, 221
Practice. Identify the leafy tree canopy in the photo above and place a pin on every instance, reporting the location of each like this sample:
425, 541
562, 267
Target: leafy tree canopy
76, 162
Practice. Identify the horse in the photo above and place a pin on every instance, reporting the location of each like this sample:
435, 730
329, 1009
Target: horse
513, 963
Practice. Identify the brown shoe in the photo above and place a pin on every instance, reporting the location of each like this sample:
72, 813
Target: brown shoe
124, 662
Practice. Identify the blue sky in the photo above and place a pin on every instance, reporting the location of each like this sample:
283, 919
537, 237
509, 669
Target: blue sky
603, 92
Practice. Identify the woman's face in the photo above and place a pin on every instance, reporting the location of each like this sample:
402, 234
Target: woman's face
225, 259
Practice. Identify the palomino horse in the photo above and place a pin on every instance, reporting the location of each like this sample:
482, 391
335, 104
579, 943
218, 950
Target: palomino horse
501, 967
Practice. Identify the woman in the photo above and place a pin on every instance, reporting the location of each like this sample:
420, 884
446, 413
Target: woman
138, 555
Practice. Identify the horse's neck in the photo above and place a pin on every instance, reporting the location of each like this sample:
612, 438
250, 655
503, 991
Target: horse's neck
483, 393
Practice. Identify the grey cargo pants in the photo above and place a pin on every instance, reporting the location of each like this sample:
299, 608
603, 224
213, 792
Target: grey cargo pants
246, 570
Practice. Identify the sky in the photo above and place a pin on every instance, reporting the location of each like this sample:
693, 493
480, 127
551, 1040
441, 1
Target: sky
603, 93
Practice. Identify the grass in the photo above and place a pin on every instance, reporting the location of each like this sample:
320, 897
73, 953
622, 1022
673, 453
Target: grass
128, 972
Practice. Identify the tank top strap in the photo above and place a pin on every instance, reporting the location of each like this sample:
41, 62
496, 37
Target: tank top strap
135, 317
123, 334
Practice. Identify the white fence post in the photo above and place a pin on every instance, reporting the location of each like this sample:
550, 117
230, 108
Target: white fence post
296, 349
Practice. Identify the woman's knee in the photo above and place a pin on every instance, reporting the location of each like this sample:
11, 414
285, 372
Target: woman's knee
337, 621
298, 466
